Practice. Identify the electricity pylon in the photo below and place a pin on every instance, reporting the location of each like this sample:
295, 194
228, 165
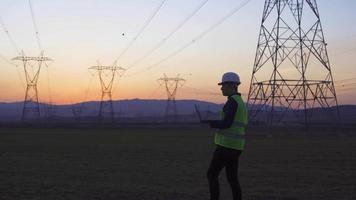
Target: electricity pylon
106, 76
171, 86
291, 76
32, 67
77, 110
50, 110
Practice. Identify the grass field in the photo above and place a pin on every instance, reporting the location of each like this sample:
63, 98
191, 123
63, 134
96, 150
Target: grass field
168, 164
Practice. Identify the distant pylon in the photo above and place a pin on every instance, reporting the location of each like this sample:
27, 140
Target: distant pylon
171, 85
50, 110
107, 76
291, 76
77, 110
32, 67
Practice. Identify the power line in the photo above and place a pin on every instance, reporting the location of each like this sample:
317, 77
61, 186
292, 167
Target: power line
39, 43
164, 40
35, 26
50, 108
14, 45
116, 86
195, 39
49, 85
148, 21
12, 41
8, 61
17, 70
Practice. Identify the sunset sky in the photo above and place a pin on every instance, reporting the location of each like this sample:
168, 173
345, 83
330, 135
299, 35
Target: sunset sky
77, 33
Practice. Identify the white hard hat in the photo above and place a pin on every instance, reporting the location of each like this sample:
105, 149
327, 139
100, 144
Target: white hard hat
230, 77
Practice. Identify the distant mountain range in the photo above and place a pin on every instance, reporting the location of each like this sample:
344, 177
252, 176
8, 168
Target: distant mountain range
134, 108
123, 108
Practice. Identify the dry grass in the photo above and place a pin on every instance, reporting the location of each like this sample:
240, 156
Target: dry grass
167, 164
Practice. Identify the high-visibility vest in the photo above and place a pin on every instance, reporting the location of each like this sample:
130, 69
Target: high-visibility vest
234, 137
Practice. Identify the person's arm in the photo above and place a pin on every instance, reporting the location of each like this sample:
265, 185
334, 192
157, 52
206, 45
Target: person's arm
230, 111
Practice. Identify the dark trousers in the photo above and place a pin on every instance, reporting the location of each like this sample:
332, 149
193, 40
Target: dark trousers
228, 158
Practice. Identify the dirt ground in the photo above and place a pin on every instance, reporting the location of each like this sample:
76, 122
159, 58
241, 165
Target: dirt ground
168, 164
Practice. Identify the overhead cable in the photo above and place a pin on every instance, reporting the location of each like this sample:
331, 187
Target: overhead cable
195, 39
35, 27
17, 70
164, 40
14, 45
12, 41
147, 22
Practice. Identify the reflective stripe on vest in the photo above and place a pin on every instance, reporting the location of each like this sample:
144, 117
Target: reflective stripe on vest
234, 137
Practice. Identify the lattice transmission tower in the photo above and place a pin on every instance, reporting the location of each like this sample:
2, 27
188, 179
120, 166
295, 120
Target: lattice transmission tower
32, 67
106, 76
77, 110
171, 85
291, 77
